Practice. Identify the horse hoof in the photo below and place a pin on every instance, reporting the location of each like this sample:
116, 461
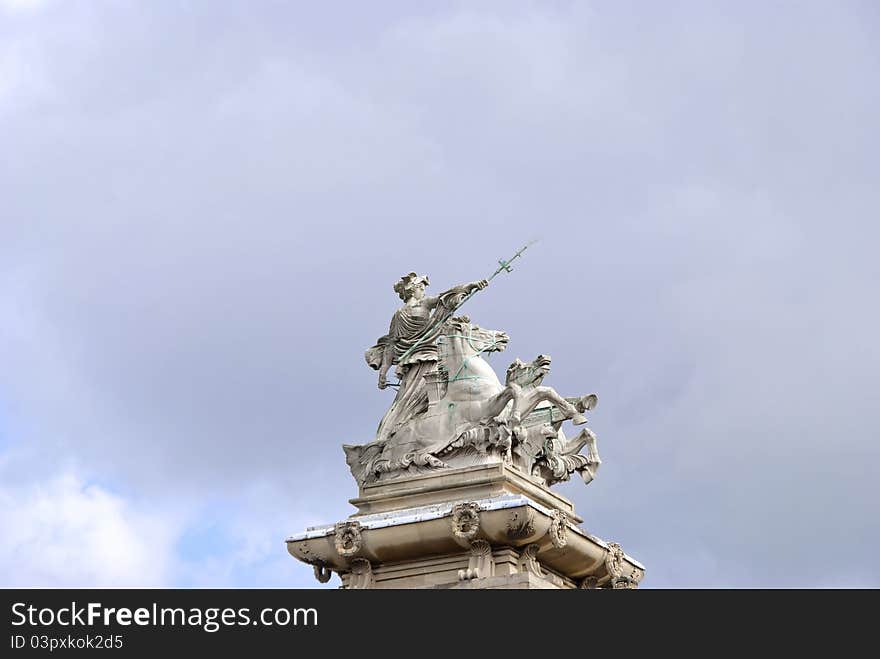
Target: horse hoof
588, 402
578, 419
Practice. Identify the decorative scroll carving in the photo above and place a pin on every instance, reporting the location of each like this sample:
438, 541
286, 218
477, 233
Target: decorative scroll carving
348, 538
481, 565
528, 561
465, 520
322, 572
361, 575
559, 529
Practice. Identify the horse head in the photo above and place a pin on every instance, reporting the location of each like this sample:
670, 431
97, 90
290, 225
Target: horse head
459, 349
463, 338
528, 374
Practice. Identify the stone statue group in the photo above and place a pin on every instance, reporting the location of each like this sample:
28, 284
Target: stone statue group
451, 409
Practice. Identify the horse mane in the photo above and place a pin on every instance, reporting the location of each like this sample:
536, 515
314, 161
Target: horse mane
455, 324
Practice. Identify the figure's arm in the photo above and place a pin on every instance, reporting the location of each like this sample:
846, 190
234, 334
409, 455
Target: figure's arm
473, 286
455, 291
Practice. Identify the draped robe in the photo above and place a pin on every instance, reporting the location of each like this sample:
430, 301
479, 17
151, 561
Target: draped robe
408, 328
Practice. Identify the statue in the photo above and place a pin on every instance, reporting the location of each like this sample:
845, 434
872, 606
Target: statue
452, 410
411, 345
453, 490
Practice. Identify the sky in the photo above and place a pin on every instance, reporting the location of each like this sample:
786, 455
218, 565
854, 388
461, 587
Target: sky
204, 207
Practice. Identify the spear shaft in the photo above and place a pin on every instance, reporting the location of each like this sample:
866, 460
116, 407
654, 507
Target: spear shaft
503, 266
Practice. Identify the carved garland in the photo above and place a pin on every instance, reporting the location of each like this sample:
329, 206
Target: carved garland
559, 528
465, 520
615, 560
348, 538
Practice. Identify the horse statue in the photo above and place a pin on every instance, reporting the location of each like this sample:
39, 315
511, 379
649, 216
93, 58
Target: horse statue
473, 418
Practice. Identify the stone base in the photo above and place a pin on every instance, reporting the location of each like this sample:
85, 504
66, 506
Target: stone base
487, 526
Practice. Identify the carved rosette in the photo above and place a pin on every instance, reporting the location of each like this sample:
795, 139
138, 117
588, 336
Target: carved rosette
361, 575
465, 520
348, 538
559, 528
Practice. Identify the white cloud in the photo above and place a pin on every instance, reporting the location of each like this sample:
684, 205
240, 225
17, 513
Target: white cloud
22, 5
65, 532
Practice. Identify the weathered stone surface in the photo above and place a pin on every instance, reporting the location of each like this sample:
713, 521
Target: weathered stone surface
466, 525
451, 410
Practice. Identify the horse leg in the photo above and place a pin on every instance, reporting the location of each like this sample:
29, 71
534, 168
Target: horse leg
585, 437
588, 472
495, 405
540, 394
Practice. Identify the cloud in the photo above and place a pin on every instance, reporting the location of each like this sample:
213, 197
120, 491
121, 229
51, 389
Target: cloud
64, 532
21, 5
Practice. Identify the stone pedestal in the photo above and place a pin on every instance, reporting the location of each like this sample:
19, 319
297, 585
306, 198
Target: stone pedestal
485, 526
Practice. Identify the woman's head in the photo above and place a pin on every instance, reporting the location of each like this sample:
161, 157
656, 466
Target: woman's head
411, 285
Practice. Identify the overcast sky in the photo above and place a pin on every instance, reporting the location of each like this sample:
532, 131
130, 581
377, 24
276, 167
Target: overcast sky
204, 207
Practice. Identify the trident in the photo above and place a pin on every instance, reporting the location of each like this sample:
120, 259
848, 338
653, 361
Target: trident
503, 266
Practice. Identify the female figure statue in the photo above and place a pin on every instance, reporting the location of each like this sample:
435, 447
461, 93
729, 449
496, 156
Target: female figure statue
411, 344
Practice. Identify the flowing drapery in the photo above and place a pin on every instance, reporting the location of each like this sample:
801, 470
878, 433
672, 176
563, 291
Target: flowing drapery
413, 332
